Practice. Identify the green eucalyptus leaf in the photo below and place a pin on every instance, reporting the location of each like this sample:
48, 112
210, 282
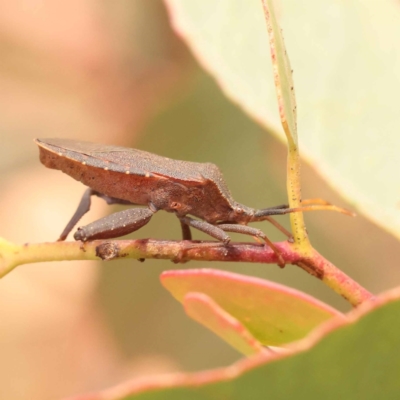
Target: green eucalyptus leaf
346, 62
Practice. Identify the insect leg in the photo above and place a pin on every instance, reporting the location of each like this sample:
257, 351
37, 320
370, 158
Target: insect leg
205, 227
111, 200
257, 233
84, 207
186, 233
280, 227
115, 225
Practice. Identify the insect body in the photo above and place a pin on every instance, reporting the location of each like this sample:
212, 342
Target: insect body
122, 175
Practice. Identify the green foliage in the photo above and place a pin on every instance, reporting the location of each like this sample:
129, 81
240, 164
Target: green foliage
346, 361
346, 73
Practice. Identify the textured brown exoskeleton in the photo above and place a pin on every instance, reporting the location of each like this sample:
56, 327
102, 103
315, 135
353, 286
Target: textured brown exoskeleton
122, 175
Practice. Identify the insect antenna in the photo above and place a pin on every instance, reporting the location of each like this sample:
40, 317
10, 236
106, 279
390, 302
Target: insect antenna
307, 205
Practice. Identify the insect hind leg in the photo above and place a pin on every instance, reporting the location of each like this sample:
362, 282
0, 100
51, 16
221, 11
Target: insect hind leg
84, 207
115, 225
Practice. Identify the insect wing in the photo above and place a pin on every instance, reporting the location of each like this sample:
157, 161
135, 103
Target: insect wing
125, 160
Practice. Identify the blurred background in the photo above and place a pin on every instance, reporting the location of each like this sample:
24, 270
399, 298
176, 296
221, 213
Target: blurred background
116, 73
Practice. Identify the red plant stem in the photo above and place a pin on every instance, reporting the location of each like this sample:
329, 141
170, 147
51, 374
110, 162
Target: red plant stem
183, 251
337, 280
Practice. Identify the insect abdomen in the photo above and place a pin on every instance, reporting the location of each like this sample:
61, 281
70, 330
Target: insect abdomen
133, 188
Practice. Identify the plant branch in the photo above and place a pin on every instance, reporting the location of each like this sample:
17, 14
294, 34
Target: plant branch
333, 277
12, 255
312, 262
287, 112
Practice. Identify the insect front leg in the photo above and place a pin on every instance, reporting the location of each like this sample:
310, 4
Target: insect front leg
115, 225
257, 233
84, 207
206, 227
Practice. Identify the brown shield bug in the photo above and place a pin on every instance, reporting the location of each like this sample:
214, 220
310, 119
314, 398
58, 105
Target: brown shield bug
122, 175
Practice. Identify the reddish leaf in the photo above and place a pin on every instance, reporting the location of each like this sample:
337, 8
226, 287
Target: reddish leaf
273, 313
207, 312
